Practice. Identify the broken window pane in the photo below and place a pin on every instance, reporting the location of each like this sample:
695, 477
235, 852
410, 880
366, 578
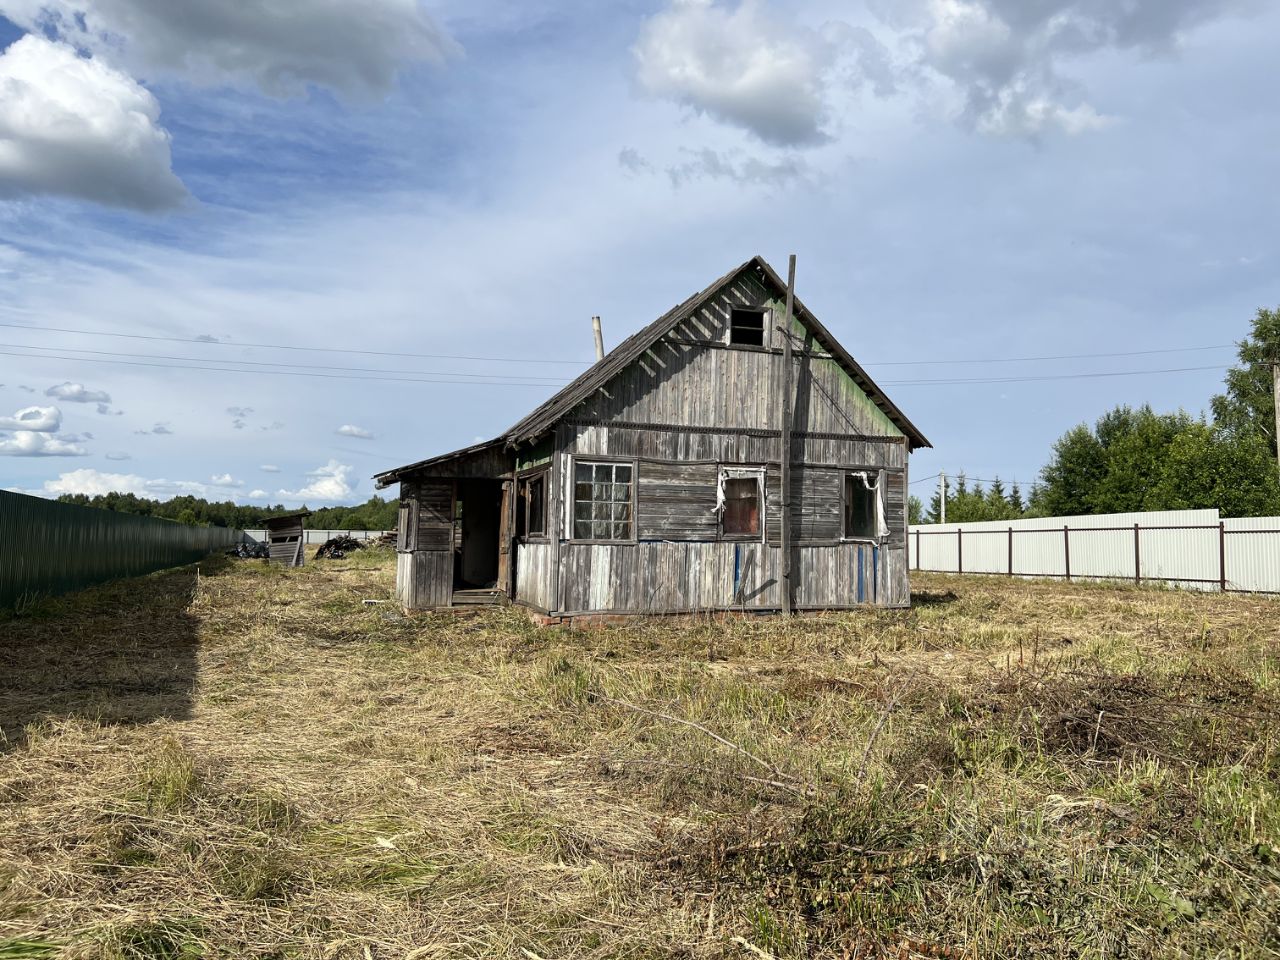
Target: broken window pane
746, 327
741, 515
859, 508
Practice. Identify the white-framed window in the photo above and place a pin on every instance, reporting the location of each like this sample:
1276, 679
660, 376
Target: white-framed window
603, 500
864, 506
740, 503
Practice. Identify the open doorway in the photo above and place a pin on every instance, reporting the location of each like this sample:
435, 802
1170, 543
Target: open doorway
479, 516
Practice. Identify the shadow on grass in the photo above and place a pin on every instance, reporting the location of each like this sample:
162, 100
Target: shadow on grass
932, 598
118, 653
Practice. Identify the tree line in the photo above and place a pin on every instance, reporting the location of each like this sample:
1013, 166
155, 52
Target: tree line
1137, 459
374, 514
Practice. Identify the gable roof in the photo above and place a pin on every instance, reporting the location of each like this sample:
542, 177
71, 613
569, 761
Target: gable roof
542, 418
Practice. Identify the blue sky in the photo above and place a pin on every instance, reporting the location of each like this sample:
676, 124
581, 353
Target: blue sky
961, 180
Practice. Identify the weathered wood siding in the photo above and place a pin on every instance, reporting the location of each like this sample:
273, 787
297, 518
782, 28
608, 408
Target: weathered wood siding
534, 575
684, 445
286, 544
679, 564
424, 564
688, 577
692, 377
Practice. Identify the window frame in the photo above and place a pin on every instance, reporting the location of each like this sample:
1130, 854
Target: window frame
758, 471
523, 479
851, 474
571, 499
766, 318
407, 523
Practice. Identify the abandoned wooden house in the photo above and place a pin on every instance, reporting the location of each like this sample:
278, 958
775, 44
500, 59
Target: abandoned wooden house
653, 483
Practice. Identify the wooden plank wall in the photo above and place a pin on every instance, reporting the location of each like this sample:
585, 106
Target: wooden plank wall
284, 540
685, 568
670, 577
691, 377
533, 575
424, 564
430, 574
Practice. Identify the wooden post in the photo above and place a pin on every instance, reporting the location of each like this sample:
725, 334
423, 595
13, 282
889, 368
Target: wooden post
1066, 548
595, 325
1137, 555
1011, 551
959, 551
1275, 387
942, 497
1222, 557
785, 455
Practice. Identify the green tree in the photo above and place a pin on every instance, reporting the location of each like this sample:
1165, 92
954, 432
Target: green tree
1248, 406
1208, 468
1016, 502
1074, 470
915, 511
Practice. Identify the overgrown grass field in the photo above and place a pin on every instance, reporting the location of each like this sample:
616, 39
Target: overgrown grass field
256, 763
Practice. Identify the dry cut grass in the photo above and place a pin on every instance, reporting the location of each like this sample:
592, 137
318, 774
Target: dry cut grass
259, 764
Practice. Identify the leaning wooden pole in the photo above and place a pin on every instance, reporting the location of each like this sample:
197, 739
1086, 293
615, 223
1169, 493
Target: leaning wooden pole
785, 456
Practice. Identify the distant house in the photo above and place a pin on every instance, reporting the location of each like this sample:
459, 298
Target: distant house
652, 483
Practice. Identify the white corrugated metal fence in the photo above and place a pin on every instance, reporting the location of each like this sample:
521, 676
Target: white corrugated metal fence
1187, 548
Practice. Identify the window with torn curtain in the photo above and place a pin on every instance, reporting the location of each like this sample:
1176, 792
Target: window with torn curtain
863, 509
602, 500
738, 501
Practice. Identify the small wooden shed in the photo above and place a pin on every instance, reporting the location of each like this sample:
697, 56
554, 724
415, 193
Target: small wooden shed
286, 538
717, 459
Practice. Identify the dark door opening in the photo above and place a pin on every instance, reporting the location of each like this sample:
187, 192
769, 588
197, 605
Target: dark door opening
479, 514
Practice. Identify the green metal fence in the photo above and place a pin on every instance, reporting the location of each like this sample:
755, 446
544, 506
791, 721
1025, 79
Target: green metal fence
48, 547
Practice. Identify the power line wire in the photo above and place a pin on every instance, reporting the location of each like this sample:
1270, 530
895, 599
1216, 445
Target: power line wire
285, 346
276, 373
299, 366
1041, 377
445, 356
142, 360
1065, 356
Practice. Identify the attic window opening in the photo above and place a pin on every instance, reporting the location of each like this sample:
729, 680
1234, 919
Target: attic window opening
746, 327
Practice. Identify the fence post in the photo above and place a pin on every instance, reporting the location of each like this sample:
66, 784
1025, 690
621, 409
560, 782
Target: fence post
1011, 551
917, 550
1066, 549
1137, 556
1222, 557
959, 551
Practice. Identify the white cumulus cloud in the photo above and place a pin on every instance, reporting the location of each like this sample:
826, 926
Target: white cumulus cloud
94, 482
269, 468
739, 66
74, 126
330, 482
224, 480
282, 46
28, 444
34, 419
77, 393
349, 430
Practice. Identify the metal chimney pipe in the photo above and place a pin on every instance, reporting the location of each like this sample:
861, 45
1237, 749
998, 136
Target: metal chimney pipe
595, 323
